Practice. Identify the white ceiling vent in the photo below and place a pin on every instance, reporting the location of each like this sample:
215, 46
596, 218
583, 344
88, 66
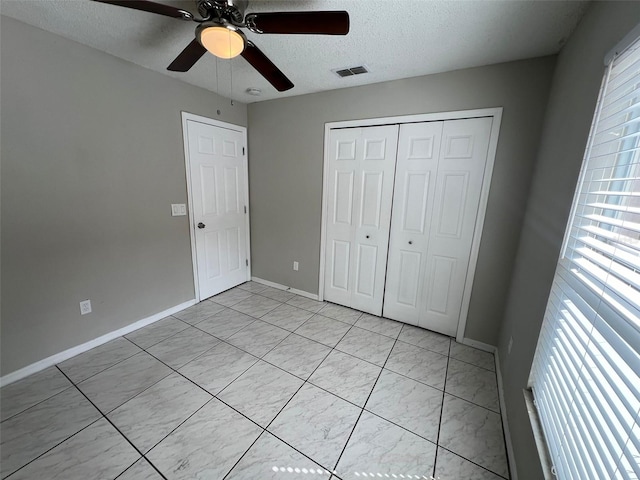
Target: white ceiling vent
349, 72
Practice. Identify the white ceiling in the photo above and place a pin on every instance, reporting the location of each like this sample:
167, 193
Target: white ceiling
393, 38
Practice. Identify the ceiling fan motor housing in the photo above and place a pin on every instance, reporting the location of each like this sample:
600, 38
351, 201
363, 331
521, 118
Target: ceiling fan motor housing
231, 10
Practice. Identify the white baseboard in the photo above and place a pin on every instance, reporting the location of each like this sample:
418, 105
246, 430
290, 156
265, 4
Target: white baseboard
479, 345
77, 350
302, 293
505, 423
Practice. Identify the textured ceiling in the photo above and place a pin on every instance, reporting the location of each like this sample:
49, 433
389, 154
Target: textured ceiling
393, 38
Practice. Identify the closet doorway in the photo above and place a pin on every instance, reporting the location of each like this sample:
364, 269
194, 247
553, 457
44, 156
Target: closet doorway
404, 200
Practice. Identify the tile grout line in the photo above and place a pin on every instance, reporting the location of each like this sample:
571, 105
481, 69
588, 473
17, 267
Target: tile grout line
355, 425
444, 391
259, 359
300, 388
245, 452
350, 354
304, 381
56, 445
307, 381
76, 387
186, 419
233, 408
38, 403
140, 392
472, 462
327, 391
275, 416
267, 312
118, 430
155, 324
64, 439
57, 365
265, 429
440, 389
213, 397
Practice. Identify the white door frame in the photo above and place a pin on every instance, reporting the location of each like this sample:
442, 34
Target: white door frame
192, 228
496, 113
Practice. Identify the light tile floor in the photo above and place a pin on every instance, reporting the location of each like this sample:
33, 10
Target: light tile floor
258, 383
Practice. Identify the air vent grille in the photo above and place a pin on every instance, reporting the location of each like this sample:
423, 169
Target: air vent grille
349, 72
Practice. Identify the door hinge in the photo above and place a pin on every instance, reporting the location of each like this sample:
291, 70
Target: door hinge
246, 261
245, 209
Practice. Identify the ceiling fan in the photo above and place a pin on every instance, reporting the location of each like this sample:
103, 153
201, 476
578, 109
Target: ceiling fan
218, 31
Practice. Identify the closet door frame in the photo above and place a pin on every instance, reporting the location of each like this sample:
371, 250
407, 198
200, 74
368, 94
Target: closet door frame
496, 114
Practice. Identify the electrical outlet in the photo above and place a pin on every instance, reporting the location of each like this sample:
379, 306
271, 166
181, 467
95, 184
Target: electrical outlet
296, 265
510, 345
85, 307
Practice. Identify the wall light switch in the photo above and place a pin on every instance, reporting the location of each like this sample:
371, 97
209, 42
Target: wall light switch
178, 209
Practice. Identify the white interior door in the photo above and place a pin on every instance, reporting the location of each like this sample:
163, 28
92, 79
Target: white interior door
218, 175
461, 166
360, 190
414, 193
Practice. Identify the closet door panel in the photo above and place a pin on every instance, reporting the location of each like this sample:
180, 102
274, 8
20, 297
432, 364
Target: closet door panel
408, 278
341, 254
416, 170
360, 190
441, 274
343, 171
375, 194
457, 195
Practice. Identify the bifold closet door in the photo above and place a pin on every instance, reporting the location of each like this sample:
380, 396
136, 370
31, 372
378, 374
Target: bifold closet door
414, 193
429, 292
360, 176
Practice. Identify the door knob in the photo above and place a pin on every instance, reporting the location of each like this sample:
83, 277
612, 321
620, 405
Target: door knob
201, 225
410, 242
367, 236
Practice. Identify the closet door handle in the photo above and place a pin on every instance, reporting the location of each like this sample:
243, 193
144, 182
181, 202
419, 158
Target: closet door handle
410, 242
367, 236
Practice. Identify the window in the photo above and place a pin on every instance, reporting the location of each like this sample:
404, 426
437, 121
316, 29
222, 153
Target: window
586, 371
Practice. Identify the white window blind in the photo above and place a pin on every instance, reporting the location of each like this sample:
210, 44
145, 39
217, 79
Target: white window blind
586, 371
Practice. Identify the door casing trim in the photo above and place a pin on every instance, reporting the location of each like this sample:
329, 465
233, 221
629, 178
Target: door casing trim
186, 116
496, 114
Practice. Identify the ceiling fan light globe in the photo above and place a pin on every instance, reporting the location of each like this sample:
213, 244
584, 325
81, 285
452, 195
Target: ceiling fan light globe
224, 41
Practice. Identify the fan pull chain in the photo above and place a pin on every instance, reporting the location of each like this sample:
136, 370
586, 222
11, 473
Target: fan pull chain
231, 80
217, 82
230, 74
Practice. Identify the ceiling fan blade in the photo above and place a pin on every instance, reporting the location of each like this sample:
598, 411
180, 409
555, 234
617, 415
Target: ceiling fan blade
266, 68
319, 23
151, 7
188, 57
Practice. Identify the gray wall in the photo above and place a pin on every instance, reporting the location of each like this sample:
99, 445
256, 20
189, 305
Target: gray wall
92, 158
566, 127
286, 157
